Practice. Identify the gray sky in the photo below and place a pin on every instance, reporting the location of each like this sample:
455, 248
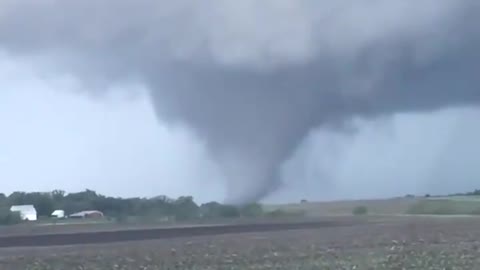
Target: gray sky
56, 139
257, 99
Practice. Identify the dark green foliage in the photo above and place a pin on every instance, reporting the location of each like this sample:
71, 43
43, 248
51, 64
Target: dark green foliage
215, 209
252, 210
360, 210
9, 218
229, 211
185, 208
43, 202
120, 209
210, 210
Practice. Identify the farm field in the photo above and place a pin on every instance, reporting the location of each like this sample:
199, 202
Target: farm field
468, 205
33, 229
383, 243
451, 205
332, 208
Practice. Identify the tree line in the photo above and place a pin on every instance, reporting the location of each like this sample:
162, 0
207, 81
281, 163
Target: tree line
180, 209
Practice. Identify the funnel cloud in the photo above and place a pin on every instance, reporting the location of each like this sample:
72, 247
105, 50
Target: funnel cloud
253, 78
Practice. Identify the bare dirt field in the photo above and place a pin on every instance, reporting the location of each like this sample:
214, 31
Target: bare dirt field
67, 228
103, 237
384, 243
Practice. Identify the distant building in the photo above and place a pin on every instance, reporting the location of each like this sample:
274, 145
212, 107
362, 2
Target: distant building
58, 214
87, 214
27, 212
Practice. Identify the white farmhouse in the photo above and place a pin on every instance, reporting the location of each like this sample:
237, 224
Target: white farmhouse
27, 212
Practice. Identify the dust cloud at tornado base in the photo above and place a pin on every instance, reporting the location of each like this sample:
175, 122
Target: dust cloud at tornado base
252, 79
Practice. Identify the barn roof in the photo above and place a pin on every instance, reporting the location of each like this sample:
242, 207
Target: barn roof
23, 208
85, 213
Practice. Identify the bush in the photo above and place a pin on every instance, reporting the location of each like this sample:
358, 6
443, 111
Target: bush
8, 217
252, 210
360, 210
229, 211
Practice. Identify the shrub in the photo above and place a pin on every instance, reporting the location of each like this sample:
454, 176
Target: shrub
360, 210
229, 211
8, 217
252, 210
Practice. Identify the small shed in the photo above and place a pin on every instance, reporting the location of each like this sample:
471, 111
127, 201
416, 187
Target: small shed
58, 214
27, 212
87, 214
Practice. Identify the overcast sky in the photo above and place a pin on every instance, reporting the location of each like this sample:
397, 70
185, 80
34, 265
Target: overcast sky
56, 139
240, 100
53, 138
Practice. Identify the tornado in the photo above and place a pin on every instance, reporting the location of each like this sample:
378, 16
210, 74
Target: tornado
251, 79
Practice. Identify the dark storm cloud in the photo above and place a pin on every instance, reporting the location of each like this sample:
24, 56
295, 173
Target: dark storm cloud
253, 78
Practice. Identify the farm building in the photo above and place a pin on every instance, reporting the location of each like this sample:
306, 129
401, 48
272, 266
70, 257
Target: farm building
58, 214
87, 214
27, 212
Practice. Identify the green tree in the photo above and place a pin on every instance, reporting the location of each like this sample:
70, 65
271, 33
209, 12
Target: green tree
252, 210
360, 210
183, 208
17, 198
8, 217
186, 208
3, 200
229, 211
210, 210
44, 204
58, 196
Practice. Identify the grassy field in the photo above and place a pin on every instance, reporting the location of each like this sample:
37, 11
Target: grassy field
31, 229
375, 207
396, 243
456, 205
442, 206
